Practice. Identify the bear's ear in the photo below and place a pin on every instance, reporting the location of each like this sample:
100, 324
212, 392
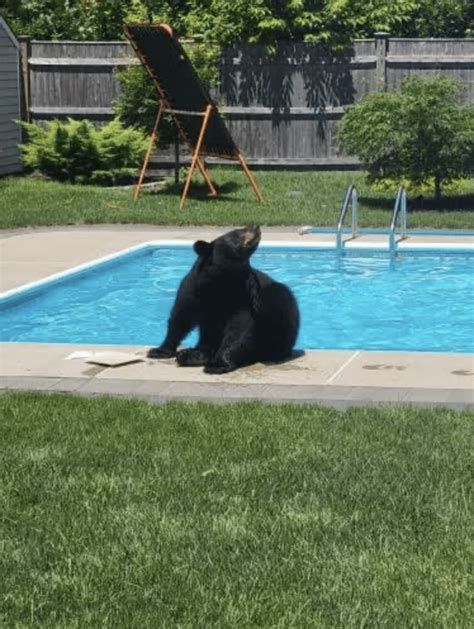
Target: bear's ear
202, 248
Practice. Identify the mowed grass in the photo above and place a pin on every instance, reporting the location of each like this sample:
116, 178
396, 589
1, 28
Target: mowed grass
291, 198
122, 514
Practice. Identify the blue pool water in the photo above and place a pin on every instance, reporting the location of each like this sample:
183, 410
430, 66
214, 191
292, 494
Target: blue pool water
362, 300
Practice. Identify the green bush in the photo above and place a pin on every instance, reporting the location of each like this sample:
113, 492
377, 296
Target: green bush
76, 151
422, 133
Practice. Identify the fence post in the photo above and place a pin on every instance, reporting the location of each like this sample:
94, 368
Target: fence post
25, 98
381, 49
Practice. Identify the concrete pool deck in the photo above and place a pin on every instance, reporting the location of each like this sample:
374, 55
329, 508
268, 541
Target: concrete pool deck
335, 378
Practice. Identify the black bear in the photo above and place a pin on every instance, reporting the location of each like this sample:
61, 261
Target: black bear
242, 314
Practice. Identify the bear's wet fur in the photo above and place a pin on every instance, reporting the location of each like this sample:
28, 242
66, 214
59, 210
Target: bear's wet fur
242, 314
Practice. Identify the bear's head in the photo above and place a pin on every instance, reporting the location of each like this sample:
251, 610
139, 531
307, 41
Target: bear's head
230, 253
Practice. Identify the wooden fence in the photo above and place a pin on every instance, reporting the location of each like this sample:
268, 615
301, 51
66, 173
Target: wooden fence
281, 109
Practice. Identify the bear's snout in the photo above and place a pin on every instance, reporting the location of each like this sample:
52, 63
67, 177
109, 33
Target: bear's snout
251, 236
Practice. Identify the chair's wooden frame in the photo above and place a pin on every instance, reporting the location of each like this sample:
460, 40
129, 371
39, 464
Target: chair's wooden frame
197, 159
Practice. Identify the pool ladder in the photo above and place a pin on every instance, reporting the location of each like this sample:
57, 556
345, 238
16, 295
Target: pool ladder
350, 199
399, 211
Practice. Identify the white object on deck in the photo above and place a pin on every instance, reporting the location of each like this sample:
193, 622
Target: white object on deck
106, 358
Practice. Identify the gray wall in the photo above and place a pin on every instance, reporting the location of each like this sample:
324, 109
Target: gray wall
10, 132
281, 110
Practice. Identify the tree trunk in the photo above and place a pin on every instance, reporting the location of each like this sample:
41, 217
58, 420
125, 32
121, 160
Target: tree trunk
437, 187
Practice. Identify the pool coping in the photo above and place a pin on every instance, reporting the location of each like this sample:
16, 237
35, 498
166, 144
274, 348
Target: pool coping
337, 397
320, 377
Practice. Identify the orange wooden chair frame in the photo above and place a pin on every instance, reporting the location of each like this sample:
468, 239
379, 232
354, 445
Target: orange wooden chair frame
197, 159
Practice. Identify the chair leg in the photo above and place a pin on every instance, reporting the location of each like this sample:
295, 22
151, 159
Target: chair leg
251, 178
205, 174
195, 158
153, 139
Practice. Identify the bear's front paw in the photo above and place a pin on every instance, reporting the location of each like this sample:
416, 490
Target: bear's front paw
191, 357
215, 367
161, 352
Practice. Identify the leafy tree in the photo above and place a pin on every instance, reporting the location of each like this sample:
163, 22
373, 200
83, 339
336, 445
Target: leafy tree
169, 11
67, 19
48, 19
423, 132
346, 20
106, 17
443, 18
334, 22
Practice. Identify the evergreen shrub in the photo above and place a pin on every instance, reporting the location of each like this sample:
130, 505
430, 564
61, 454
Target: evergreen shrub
77, 152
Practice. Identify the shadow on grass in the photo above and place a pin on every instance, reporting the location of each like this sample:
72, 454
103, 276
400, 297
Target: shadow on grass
199, 191
421, 203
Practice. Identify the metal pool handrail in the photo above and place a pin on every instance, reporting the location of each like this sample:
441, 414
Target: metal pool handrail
350, 198
399, 210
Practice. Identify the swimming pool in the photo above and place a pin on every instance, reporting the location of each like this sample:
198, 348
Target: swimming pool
364, 299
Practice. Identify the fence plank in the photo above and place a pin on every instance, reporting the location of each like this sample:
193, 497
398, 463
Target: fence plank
60, 112
90, 62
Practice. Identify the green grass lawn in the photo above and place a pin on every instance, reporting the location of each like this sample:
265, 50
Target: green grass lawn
122, 514
291, 198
